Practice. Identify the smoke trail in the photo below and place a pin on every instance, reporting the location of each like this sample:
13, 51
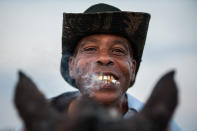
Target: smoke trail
90, 80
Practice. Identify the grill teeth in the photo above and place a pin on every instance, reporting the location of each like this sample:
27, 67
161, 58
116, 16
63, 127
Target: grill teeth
114, 81
100, 77
105, 77
108, 78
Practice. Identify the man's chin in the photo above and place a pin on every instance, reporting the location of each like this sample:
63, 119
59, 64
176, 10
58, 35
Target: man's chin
106, 97
104, 94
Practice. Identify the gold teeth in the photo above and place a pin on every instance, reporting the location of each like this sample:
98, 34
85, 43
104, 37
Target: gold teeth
108, 79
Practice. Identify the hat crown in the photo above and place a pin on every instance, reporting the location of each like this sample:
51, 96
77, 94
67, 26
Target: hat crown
101, 8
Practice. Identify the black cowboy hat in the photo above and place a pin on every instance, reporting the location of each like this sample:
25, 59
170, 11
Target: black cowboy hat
102, 19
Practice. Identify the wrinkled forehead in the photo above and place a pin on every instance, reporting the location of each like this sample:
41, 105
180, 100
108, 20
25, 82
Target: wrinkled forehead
106, 38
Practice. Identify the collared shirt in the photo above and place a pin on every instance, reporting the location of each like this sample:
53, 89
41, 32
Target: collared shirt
134, 106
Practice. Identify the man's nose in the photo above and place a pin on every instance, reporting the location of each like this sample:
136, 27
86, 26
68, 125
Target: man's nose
104, 59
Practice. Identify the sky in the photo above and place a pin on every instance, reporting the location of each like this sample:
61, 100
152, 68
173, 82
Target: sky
30, 40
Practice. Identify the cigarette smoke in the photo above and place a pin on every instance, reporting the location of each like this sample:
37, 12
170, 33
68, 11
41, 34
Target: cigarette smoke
90, 79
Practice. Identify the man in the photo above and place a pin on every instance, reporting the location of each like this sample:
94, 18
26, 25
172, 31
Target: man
101, 55
102, 43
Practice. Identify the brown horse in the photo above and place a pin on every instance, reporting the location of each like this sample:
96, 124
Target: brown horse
39, 115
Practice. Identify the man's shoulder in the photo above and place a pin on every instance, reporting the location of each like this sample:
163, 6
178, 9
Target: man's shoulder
62, 101
134, 103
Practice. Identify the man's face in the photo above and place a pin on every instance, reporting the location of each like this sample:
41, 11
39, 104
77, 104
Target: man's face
103, 67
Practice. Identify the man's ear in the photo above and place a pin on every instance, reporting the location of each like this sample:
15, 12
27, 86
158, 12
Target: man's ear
133, 68
71, 66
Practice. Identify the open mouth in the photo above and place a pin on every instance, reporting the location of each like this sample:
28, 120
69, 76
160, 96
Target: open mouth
108, 79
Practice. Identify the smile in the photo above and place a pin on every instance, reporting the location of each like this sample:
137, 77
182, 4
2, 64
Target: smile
108, 79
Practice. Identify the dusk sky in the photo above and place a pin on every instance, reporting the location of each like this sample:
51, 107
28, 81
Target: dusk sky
30, 40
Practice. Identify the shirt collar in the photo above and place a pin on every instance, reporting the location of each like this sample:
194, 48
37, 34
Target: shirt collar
134, 103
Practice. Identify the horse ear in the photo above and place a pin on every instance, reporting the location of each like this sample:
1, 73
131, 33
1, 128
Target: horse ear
162, 103
33, 107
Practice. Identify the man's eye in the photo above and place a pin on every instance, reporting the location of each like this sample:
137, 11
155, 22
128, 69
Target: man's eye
90, 50
118, 52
